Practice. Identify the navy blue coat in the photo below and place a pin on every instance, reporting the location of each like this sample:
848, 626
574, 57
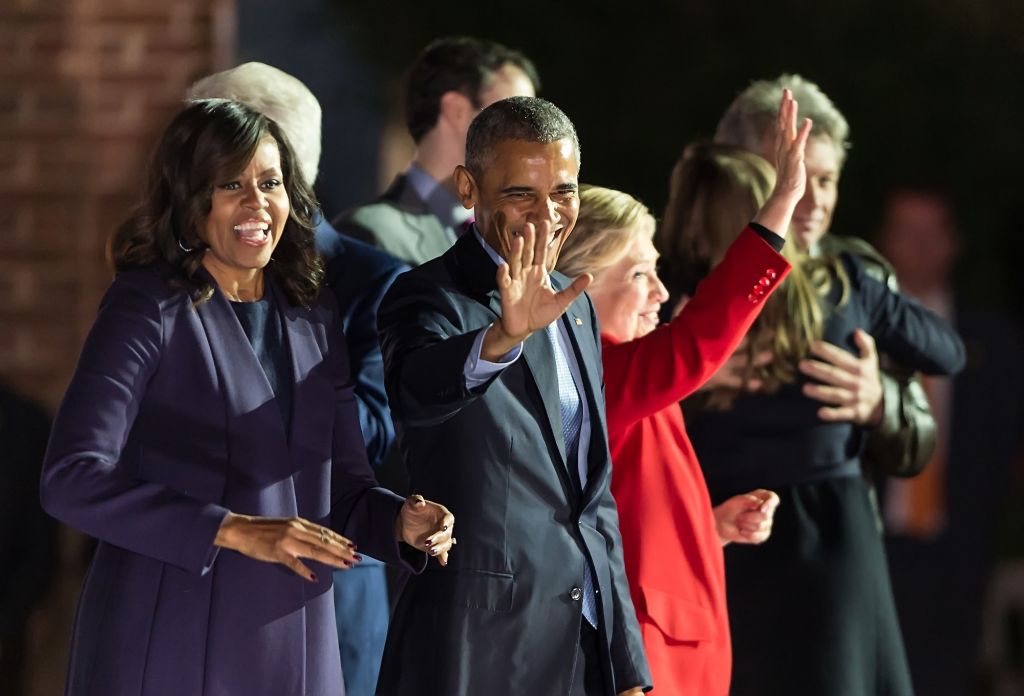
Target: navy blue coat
169, 416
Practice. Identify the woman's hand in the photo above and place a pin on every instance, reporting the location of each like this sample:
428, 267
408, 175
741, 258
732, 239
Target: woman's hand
285, 540
790, 173
746, 518
427, 526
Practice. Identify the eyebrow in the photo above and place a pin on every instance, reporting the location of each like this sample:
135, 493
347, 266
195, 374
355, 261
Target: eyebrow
517, 189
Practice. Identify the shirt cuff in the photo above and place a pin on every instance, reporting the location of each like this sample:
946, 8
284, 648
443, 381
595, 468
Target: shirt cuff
477, 370
774, 241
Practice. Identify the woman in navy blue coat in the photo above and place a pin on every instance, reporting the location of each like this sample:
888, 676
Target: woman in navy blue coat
209, 436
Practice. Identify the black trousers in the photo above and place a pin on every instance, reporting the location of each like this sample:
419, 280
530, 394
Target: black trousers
589, 675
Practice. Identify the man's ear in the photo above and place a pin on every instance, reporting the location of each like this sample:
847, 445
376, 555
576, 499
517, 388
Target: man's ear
465, 187
456, 109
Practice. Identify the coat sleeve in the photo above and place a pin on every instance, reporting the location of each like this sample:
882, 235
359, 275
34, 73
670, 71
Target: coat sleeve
425, 348
903, 442
83, 482
360, 508
650, 373
914, 336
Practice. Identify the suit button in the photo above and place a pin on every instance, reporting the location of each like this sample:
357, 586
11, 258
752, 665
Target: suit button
765, 282
575, 594
772, 275
758, 290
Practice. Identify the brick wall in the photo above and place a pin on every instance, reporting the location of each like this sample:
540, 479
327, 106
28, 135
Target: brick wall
85, 88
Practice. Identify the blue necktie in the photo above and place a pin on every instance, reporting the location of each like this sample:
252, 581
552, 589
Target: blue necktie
571, 408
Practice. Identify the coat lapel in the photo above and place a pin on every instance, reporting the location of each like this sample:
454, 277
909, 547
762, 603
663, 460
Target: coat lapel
255, 430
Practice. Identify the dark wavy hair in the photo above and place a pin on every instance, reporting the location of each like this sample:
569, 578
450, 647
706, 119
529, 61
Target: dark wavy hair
455, 64
209, 141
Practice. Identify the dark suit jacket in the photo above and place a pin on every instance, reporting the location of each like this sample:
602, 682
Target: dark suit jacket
359, 275
400, 223
503, 617
169, 422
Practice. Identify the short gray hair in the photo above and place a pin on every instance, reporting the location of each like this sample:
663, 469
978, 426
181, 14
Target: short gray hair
752, 114
278, 96
531, 119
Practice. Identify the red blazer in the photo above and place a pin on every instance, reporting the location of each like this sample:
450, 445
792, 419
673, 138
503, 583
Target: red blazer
672, 551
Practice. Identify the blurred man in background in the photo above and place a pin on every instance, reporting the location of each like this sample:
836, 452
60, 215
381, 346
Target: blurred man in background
451, 81
940, 524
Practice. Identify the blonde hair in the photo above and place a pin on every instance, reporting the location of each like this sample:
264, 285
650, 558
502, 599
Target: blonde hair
278, 96
716, 190
608, 224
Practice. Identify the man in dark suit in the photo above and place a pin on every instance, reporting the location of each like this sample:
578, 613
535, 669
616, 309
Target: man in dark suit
359, 275
940, 524
419, 216
493, 370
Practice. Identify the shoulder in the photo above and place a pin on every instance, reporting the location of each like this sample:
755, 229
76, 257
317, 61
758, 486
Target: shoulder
869, 260
150, 287
344, 254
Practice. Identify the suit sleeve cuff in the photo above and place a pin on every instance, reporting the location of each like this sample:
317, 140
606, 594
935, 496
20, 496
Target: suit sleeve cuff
774, 241
478, 371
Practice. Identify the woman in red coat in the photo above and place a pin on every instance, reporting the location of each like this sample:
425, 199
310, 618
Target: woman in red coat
671, 536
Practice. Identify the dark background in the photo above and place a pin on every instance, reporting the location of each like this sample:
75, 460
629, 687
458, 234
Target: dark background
932, 91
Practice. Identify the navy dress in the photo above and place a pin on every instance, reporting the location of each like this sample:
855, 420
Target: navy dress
811, 610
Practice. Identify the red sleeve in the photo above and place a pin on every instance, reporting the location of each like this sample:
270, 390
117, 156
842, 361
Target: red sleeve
646, 375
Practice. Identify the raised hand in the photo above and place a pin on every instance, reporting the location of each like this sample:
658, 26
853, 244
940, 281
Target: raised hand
528, 302
746, 518
790, 172
285, 540
427, 526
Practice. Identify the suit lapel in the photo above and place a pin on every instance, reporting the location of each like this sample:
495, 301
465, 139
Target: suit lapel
431, 235
582, 336
541, 363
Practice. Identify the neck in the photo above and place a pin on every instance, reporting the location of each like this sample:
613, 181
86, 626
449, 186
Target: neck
438, 154
237, 286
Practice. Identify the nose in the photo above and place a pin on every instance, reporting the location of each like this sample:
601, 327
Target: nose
660, 291
255, 198
547, 209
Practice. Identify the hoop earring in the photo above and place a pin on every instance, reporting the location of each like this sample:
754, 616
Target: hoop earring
187, 250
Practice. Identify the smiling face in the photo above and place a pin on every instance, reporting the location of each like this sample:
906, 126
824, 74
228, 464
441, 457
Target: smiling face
248, 212
813, 215
527, 182
628, 294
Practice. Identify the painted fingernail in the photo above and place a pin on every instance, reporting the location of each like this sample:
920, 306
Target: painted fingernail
358, 558
444, 528
428, 543
312, 577
434, 552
